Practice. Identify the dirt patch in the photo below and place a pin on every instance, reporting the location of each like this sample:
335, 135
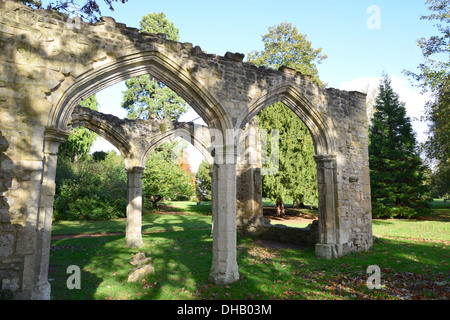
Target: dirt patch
84, 235
293, 215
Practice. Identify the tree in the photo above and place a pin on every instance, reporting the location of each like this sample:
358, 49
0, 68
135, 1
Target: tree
146, 97
434, 77
296, 177
285, 46
164, 178
89, 11
203, 182
81, 139
159, 23
396, 169
297, 174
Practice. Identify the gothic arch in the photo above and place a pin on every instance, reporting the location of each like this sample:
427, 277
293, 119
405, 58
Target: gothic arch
92, 80
121, 142
289, 95
188, 132
329, 243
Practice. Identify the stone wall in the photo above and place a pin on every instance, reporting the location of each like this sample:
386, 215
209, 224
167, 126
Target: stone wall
297, 236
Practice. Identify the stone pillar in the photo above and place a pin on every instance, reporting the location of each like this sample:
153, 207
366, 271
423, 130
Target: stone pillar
41, 287
249, 198
224, 268
211, 174
329, 245
134, 207
249, 209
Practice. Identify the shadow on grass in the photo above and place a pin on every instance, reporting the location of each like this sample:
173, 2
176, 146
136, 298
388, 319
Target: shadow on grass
186, 207
153, 222
182, 262
104, 261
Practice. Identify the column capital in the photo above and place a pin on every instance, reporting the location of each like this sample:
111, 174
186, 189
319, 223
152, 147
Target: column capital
325, 158
135, 170
225, 154
325, 161
55, 135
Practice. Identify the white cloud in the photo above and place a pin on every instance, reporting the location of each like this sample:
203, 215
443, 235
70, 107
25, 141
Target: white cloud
410, 95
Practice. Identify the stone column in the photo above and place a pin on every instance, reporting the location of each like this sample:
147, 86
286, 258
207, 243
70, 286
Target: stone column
41, 287
329, 245
211, 174
249, 198
248, 181
134, 207
224, 267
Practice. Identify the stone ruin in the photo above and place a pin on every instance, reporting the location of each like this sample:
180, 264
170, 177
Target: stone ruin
48, 65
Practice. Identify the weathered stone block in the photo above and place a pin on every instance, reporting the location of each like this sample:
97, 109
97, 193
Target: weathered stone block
6, 245
26, 241
140, 272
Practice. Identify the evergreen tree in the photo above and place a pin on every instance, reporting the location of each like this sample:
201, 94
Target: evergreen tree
81, 139
145, 96
396, 169
296, 177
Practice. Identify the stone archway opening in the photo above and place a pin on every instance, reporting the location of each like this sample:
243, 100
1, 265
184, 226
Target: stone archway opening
134, 152
285, 151
324, 234
135, 140
290, 175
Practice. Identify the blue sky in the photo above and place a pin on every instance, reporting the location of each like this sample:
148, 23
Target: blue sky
357, 54
338, 27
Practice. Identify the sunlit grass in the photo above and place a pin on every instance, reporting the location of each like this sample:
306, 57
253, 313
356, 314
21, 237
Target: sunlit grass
182, 255
412, 229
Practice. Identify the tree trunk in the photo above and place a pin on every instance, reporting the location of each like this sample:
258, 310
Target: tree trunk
155, 200
280, 208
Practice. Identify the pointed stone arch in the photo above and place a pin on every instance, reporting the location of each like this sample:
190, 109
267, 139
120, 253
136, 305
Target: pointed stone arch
305, 109
196, 135
84, 118
329, 244
90, 80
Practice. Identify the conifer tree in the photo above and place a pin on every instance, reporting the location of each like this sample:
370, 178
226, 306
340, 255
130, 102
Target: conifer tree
145, 96
79, 143
396, 169
296, 177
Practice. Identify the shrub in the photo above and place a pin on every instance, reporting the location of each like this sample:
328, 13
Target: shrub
91, 190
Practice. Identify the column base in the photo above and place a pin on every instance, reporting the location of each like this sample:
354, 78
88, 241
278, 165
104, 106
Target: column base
134, 243
41, 291
221, 278
332, 251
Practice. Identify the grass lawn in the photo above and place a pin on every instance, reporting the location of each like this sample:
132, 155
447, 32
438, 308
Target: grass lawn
413, 257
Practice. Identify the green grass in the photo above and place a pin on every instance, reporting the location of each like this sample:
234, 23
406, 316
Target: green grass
188, 206
153, 222
413, 257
